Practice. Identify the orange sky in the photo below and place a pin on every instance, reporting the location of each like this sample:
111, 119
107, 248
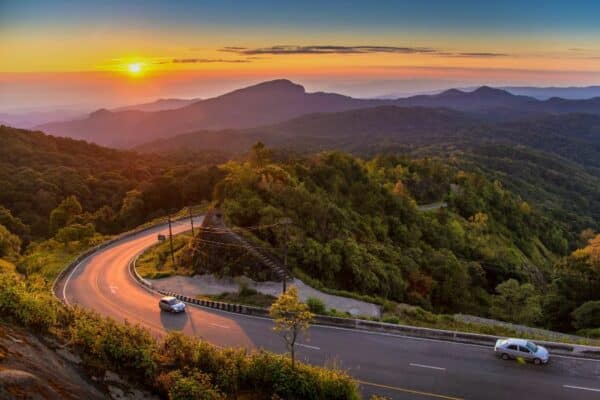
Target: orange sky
81, 52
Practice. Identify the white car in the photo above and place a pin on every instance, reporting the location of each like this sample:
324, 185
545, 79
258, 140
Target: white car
171, 304
521, 349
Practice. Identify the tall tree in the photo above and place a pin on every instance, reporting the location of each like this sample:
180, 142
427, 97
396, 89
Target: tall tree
63, 215
291, 318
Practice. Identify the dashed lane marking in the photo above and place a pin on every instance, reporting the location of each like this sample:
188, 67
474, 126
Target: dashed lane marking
427, 366
581, 388
308, 346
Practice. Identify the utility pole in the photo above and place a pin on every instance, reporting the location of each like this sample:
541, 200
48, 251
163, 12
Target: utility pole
171, 239
285, 222
192, 221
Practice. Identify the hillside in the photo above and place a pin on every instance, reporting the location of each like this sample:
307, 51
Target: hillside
38, 171
342, 130
552, 161
357, 228
273, 102
262, 104
158, 105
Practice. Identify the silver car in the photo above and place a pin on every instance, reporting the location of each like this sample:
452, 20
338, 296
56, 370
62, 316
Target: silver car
521, 349
171, 304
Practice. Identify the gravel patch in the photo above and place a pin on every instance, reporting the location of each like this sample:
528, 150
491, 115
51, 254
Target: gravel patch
212, 285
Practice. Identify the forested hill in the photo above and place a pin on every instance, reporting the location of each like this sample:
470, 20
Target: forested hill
357, 227
115, 189
551, 161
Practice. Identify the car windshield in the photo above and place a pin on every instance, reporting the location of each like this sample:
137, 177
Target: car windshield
172, 302
532, 347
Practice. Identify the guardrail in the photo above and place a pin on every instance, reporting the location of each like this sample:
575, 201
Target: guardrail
80, 258
566, 349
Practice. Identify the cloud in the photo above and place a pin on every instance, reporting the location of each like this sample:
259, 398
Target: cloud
326, 49
332, 49
480, 54
207, 60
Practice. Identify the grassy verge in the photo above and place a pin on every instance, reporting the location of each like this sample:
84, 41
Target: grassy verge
156, 262
50, 257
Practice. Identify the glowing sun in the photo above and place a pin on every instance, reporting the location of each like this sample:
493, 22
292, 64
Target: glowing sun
135, 68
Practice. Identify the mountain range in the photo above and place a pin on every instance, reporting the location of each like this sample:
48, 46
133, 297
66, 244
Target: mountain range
273, 102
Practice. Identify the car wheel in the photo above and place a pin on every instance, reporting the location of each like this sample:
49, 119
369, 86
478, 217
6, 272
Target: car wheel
505, 356
537, 361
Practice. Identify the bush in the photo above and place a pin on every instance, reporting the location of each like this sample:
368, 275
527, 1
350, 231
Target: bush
587, 315
33, 309
316, 306
120, 346
179, 367
273, 374
196, 386
391, 319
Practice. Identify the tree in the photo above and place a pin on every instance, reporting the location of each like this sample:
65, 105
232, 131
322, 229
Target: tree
10, 245
516, 303
587, 315
75, 232
12, 223
132, 210
260, 155
63, 215
291, 318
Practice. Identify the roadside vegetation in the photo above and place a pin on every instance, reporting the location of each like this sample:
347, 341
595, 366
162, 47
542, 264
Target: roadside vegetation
177, 366
357, 230
156, 262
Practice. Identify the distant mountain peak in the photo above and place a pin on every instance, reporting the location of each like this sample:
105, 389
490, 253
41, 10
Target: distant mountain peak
274, 86
490, 91
451, 93
100, 113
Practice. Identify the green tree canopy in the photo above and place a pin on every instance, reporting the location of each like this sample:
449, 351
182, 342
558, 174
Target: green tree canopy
64, 214
291, 318
10, 244
516, 303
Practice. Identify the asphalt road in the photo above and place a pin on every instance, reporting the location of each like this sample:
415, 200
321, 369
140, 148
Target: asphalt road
394, 366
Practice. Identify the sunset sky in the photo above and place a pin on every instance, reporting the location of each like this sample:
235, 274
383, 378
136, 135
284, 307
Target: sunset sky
108, 53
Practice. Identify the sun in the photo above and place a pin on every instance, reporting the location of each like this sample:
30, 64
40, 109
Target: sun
135, 68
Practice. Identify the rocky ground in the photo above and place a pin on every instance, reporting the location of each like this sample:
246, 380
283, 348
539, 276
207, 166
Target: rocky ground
34, 369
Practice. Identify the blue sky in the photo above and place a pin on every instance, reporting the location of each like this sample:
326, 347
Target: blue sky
461, 15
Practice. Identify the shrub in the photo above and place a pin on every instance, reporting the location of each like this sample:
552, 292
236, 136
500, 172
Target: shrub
316, 306
391, 319
587, 315
36, 311
196, 386
120, 346
273, 374
33, 309
179, 367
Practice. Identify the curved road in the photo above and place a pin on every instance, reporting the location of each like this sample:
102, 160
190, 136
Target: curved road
394, 366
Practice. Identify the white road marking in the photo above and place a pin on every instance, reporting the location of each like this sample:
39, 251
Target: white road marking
219, 326
581, 388
427, 366
308, 346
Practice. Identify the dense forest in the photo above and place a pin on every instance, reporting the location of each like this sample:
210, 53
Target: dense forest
113, 190
357, 222
357, 226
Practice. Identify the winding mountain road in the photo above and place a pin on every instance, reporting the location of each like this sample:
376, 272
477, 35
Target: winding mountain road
394, 366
